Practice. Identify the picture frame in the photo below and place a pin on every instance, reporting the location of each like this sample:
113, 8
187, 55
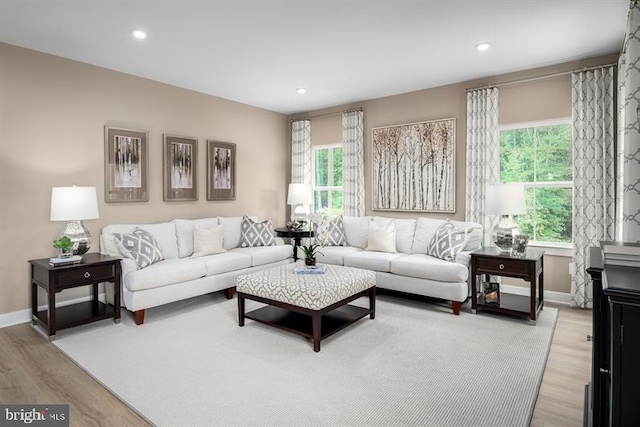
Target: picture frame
221, 170
519, 248
414, 167
125, 165
180, 168
491, 293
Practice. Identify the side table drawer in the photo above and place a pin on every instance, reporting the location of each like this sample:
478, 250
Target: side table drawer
502, 266
86, 274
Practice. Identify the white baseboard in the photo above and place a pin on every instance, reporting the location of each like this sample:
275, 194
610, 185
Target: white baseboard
24, 316
550, 296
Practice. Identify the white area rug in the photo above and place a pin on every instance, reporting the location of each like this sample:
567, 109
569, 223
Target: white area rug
415, 364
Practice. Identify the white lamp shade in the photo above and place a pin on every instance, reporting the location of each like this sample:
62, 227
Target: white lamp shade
299, 194
505, 199
73, 203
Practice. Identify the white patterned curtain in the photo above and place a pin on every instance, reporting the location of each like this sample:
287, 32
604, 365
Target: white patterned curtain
483, 155
353, 163
628, 180
593, 100
301, 152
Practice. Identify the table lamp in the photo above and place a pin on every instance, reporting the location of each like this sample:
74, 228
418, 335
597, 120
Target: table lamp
299, 198
74, 204
505, 200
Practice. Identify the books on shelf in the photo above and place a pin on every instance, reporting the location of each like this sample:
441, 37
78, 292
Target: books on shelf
310, 269
58, 262
621, 253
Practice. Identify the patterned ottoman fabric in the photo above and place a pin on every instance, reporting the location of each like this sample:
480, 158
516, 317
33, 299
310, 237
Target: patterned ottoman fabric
312, 291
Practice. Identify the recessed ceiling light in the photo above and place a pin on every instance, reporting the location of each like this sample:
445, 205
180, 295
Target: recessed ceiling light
483, 46
301, 90
139, 34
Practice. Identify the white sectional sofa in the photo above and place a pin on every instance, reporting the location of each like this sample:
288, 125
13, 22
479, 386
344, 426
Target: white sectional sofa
180, 275
404, 265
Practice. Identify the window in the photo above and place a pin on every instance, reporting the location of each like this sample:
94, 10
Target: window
327, 179
539, 156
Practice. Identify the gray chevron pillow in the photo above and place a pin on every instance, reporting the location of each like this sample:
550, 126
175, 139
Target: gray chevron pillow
447, 241
140, 246
256, 233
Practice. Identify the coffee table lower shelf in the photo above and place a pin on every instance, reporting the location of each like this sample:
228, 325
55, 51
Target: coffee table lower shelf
301, 324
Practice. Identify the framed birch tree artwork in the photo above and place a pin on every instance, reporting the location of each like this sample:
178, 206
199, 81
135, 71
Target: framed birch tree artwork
221, 170
180, 167
414, 166
125, 169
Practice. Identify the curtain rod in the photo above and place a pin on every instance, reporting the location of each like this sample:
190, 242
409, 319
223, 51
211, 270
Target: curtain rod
546, 76
326, 114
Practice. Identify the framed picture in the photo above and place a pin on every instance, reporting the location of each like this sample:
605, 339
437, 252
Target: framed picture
125, 169
221, 170
180, 168
414, 167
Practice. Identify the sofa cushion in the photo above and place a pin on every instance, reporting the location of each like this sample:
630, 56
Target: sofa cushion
184, 233
207, 241
225, 262
255, 233
232, 231
140, 246
166, 272
447, 241
426, 229
423, 266
382, 238
405, 229
356, 230
165, 234
261, 255
376, 261
335, 254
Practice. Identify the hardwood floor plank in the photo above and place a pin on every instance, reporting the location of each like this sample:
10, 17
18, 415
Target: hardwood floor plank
32, 370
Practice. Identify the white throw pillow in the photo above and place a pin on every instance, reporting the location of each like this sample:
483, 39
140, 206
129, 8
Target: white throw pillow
382, 238
207, 241
184, 233
356, 229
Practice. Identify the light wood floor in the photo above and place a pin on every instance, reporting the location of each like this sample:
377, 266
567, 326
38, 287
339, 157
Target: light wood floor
32, 370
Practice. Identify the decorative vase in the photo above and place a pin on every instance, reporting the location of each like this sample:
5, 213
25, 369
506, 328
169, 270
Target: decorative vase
310, 262
65, 253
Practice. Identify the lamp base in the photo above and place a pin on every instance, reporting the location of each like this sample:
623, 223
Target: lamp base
79, 236
504, 232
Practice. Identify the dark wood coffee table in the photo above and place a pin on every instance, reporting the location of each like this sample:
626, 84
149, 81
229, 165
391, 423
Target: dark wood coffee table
315, 306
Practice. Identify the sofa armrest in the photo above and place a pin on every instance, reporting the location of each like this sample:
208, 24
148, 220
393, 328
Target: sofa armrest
278, 240
464, 258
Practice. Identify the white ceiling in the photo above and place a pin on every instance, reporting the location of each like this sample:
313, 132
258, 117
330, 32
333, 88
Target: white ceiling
259, 52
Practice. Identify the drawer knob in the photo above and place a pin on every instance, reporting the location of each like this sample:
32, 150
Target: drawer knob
87, 274
501, 266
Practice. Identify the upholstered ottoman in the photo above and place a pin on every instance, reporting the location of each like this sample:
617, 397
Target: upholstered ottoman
312, 305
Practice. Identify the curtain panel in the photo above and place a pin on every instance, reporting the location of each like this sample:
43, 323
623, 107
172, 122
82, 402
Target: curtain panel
628, 161
353, 163
594, 117
301, 152
483, 155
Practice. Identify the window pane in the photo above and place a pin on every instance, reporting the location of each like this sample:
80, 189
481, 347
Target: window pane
337, 167
320, 200
322, 165
554, 153
548, 217
336, 203
517, 155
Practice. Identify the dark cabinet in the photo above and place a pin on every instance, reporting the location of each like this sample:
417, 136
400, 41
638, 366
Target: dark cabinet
612, 396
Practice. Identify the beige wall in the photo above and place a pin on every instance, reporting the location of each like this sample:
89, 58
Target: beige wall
549, 98
52, 115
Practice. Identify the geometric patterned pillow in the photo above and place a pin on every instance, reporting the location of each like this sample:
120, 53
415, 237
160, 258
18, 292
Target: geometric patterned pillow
139, 246
254, 233
331, 233
447, 241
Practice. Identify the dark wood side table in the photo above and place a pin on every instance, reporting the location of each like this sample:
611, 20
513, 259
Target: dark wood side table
491, 260
94, 268
296, 235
